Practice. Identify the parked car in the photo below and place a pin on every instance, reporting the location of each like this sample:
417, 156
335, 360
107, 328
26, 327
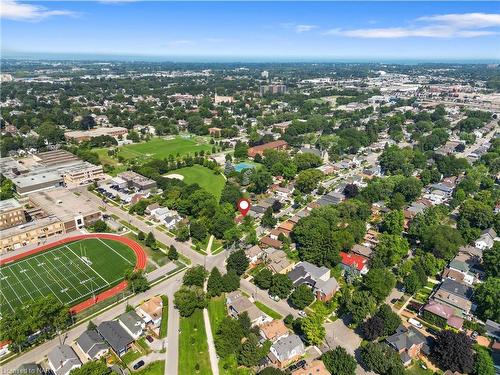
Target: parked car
302, 314
138, 365
474, 335
415, 323
149, 338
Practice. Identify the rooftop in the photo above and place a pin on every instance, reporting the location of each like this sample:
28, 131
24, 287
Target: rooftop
9, 204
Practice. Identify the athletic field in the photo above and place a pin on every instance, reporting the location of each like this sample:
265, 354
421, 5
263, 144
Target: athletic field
72, 272
159, 148
205, 177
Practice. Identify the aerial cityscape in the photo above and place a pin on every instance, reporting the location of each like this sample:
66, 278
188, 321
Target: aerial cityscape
240, 188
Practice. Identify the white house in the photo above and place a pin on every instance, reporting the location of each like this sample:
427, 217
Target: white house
151, 311
63, 359
132, 323
486, 240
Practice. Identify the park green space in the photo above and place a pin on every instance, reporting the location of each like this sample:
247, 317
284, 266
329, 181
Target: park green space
273, 314
205, 177
160, 148
154, 368
71, 272
193, 346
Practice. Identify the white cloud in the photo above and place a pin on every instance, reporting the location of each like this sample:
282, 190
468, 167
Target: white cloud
304, 28
14, 10
467, 25
466, 20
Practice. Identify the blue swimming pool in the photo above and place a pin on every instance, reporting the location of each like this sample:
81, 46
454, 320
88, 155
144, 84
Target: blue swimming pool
240, 166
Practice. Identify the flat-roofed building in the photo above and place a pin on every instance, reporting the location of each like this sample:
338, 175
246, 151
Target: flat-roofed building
276, 145
37, 182
85, 135
73, 211
11, 213
138, 181
83, 174
31, 233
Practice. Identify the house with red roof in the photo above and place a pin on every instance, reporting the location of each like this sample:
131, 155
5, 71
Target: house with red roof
354, 262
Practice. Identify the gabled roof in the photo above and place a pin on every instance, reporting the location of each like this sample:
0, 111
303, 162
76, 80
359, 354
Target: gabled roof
131, 320
405, 338
353, 260
454, 287
284, 346
91, 343
115, 335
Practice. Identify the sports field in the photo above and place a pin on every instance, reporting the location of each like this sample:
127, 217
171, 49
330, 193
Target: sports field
72, 272
159, 148
205, 177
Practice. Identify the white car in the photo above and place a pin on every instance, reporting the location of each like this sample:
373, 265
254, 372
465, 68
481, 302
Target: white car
415, 323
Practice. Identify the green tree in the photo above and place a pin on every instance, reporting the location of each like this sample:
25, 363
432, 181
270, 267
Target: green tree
487, 295
195, 276
281, 286
238, 262
359, 304
381, 359
391, 249
442, 240
301, 297
268, 220
250, 353
478, 214
188, 299
228, 337
379, 281
141, 236
215, 284
230, 281
339, 362
92, 368
198, 230
314, 331
137, 282
483, 363
172, 253
491, 260
264, 279
308, 180
393, 222
260, 180
151, 241
100, 226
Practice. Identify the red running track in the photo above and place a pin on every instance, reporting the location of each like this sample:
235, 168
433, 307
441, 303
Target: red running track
140, 264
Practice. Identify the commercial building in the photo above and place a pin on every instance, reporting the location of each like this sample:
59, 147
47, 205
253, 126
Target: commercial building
56, 157
11, 213
85, 135
38, 182
137, 181
272, 89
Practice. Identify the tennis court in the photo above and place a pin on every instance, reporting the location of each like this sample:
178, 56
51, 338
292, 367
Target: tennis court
72, 272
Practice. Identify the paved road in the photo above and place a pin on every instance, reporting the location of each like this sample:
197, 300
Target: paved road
172, 353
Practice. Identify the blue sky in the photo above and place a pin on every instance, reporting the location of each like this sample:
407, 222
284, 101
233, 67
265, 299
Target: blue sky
257, 30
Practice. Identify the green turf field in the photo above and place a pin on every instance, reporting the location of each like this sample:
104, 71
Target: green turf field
205, 177
160, 148
72, 272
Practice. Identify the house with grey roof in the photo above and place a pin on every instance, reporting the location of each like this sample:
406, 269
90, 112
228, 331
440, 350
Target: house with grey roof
116, 336
493, 329
62, 359
332, 197
132, 323
317, 278
238, 304
28, 368
92, 345
486, 239
408, 342
286, 350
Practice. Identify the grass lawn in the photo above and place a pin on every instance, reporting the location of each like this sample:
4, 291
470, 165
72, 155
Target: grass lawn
154, 368
159, 148
273, 314
71, 272
416, 369
216, 311
193, 347
131, 356
164, 317
206, 178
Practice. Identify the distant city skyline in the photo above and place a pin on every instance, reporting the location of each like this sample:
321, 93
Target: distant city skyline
252, 31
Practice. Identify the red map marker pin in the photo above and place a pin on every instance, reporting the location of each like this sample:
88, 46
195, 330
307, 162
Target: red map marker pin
243, 206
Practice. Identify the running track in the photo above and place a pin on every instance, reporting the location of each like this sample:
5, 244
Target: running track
139, 265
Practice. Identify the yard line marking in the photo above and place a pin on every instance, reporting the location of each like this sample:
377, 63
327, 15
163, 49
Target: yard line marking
47, 285
27, 291
93, 270
5, 298
61, 282
80, 271
116, 252
15, 292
